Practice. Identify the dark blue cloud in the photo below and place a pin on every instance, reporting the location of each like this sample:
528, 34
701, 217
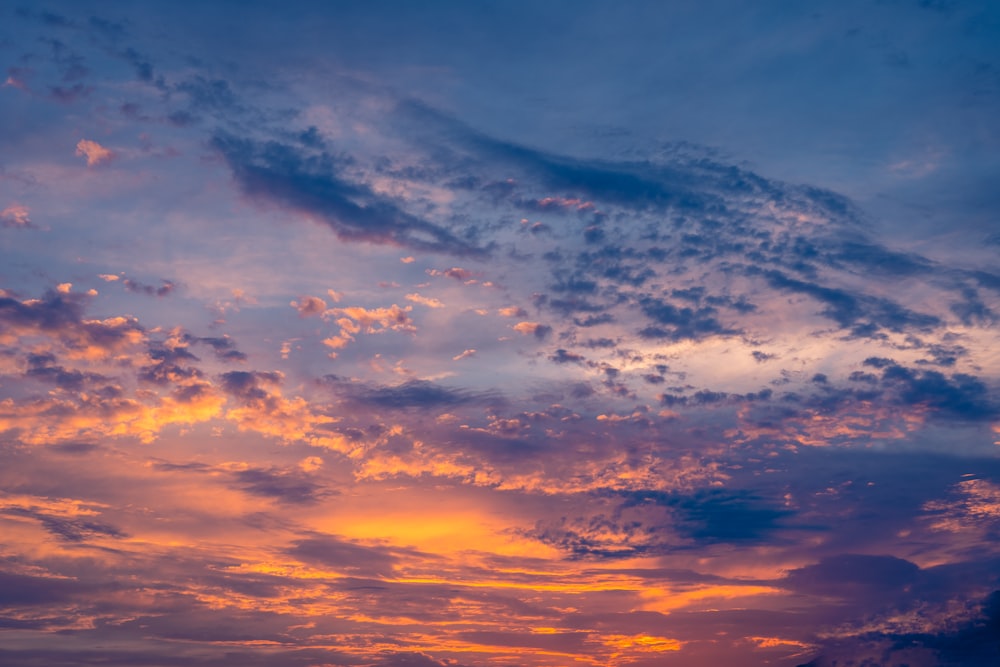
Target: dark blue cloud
717, 516
561, 356
249, 386
411, 394
648, 522
313, 184
973, 643
679, 323
863, 315
19, 589
853, 575
135, 286
62, 315
958, 396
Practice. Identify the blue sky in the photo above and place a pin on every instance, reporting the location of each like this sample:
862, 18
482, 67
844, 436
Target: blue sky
393, 334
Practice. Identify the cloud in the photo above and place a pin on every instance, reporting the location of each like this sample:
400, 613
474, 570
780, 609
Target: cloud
959, 396
135, 286
430, 302
535, 329
346, 556
223, 346
358, 319
561, 356
853, 575
864, 315
287, 486
263, 409
715, 380
250, 386
16, 216
309, 306
681, 323
95, 153
455, 272
969, 643
59, 316
315, 186
410, 394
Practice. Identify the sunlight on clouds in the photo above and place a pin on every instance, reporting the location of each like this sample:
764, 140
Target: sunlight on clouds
728, 596
976, 507
771, 642
290, 420
16, 215
86, 416
430, 302
641, 643
356, 319
94, 152
644, 402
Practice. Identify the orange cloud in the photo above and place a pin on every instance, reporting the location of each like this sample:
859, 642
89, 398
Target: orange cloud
15, 215
642, 643
89, 415
532, 328
357, 319
94, 152
430, 302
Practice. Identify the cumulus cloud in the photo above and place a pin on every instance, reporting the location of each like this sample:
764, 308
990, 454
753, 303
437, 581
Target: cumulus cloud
357, 319
535, 329
16, 216
430, 302
95, 153
309, 306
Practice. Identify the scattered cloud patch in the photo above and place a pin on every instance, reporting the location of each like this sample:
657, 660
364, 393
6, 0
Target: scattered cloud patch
94, 153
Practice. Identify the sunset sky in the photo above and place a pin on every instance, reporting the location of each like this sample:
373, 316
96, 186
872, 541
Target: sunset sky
499, 334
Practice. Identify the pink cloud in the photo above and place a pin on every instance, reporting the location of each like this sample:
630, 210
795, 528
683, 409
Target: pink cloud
456, 272
94, 152
15, 215
564, 202
430, 302
309, 306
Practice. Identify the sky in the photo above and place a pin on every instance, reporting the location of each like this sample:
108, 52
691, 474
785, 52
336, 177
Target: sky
507, 334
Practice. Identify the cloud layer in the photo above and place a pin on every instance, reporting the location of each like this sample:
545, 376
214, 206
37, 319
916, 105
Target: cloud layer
317, 352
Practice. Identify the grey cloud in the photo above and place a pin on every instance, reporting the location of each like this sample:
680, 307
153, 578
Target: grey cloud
411, 394
863, 315
854, 575
971, 644
287, 486
67, 529
357, 559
